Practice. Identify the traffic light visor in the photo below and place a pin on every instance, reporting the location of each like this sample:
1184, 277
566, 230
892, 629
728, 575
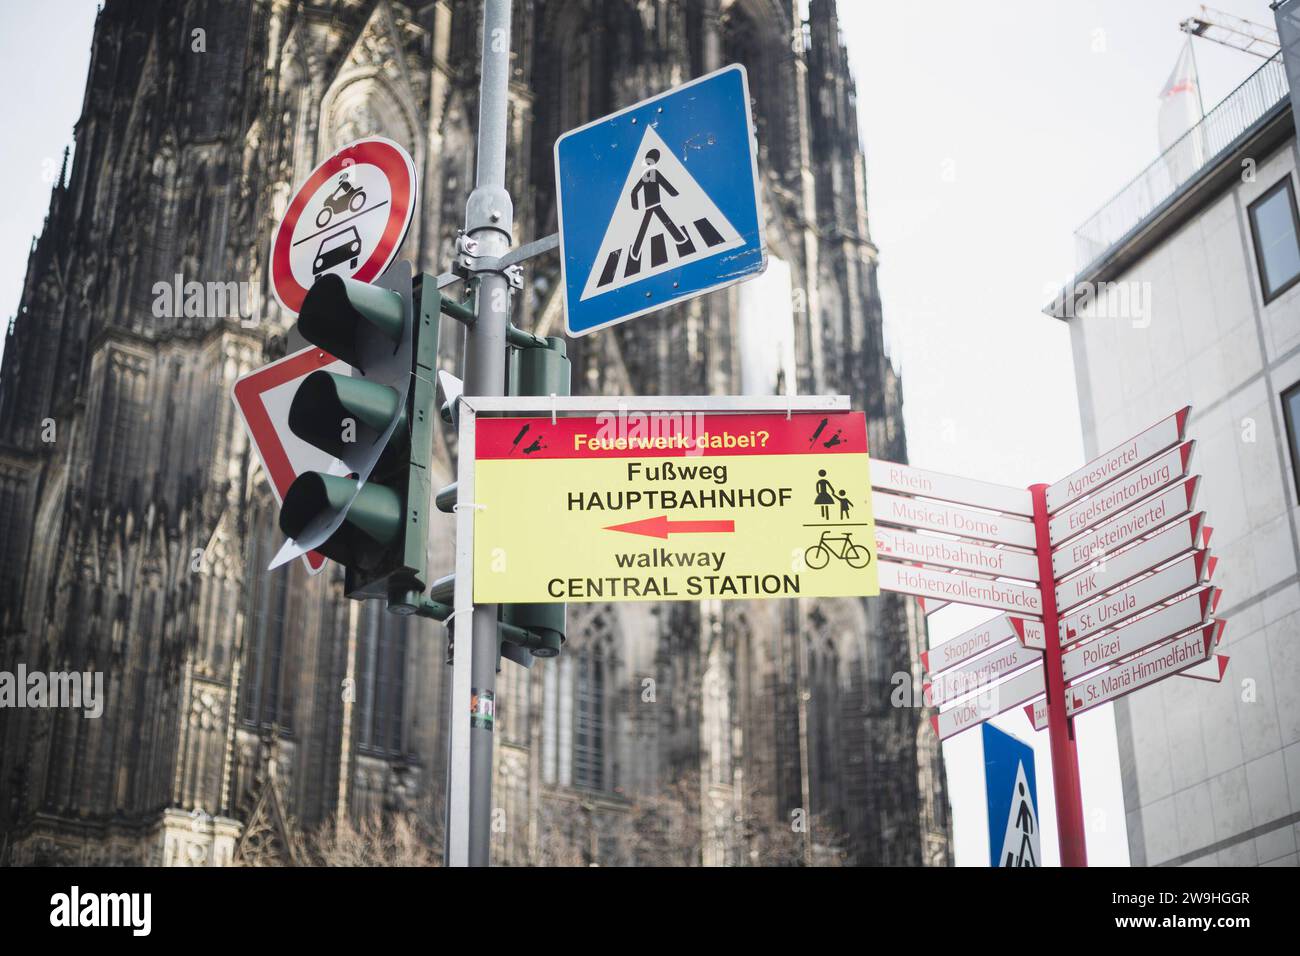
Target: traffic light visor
341, 414
338, 313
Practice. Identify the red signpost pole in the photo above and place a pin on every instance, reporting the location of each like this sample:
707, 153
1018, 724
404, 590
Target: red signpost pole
1060, 729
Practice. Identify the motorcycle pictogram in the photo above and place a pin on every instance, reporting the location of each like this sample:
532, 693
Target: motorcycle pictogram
344, 198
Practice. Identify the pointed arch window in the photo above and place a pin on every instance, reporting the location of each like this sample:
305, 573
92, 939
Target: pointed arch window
267, 697
575, 710
13, 495
752, 37
119, 443
589, 718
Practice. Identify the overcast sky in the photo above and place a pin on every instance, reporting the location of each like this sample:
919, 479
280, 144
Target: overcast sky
44, 53
991, 130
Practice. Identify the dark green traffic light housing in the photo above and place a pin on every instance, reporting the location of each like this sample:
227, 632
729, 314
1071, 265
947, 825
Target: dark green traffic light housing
374, 517
342, 316
544, 623
333, 411
536, 371
376, 421
527, 632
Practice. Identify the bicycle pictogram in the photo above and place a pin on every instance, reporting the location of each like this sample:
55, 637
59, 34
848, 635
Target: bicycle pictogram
839, 546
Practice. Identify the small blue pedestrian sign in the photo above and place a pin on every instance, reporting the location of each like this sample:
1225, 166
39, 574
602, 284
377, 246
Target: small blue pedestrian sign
1013, 800
658, 203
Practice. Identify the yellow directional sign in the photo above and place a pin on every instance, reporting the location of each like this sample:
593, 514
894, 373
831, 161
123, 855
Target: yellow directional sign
672, 506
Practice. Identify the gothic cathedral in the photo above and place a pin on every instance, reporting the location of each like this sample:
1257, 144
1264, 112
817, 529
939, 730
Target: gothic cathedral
244, 709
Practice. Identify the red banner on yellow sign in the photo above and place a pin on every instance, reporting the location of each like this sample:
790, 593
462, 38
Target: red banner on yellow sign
673, 506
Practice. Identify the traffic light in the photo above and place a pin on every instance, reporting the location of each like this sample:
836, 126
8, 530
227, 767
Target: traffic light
527, 631
535, 630
378, 422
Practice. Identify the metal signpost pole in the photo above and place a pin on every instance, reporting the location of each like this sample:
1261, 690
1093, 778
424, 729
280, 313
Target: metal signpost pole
1060, 728
489, 219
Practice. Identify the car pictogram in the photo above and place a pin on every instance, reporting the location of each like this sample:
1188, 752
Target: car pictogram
337, 248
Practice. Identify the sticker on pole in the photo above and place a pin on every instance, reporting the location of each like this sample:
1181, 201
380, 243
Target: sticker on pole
658, 203
349, 218
672, 507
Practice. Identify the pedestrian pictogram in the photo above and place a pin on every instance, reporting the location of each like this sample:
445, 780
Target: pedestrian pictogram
348, 218
663, 220
1020, 845
659, 202
681, 507
1012, 799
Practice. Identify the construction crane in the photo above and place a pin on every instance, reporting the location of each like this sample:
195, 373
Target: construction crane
1232, 31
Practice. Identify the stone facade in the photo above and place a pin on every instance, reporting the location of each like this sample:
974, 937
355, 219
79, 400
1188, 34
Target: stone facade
135, 524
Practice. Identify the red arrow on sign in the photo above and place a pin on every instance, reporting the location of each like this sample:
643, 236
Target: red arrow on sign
661, 527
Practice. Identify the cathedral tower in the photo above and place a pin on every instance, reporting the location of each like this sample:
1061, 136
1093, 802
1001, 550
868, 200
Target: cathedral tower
244, 707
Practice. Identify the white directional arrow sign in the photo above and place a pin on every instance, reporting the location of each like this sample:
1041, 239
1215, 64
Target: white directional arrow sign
1132, 524
1119, 460
930, 516
888, 476
963, 589
1159, 473
1037, 713
1156, 664
1129, 572
989, 703
1209, 670
977, 672
1118, 606
1192, 611
968, 644
1114, 570
1031, 633
951, 553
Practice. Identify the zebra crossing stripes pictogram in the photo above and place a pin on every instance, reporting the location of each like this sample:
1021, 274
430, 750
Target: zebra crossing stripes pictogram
1021, 844
663, 220
658, 203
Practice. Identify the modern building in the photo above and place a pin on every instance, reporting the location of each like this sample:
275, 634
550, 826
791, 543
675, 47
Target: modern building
245, 707
1189, 293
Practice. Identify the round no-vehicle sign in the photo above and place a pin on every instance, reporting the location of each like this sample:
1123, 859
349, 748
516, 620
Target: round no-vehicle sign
349, 218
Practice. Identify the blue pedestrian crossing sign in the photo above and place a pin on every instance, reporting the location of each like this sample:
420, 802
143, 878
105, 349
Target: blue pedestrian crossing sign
1013, 800
658, 203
